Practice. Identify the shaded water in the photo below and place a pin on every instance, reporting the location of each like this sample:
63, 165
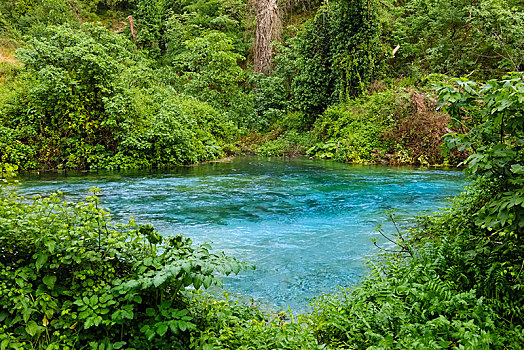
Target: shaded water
305, 224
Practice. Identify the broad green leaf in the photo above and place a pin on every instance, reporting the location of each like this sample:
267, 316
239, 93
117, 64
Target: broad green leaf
31, 328
517, 169
162, 329
197, 281
41, 260
50, 246
49, 281
235, 267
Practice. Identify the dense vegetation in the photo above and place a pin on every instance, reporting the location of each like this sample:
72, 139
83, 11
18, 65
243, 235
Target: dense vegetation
84, 86
92, 88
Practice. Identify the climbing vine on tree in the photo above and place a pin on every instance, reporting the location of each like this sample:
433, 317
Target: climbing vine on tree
336, 54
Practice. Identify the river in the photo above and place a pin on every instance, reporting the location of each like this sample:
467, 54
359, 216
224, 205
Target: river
305, 224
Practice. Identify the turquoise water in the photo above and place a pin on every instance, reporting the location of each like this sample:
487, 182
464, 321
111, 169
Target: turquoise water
306, 224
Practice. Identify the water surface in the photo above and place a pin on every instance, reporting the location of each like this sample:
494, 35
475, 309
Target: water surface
306, 224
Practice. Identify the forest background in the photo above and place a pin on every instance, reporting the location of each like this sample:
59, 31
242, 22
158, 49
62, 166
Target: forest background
115, 84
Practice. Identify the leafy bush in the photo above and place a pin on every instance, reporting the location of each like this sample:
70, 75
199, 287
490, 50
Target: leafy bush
73, 104
208, 69
480, 38
230, 325
271, 100
191, 19
421, 303
70, 278
334, 55
354, 130
88, 101
498, 141
175, 130
357, 136
18, 18
386, 126
289, 143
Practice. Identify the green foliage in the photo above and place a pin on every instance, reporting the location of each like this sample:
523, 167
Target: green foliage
175, 130
418, 304
354, 137
498, 142
456, 37
70, 278
150, 23
334, 55
271, 100
229, 325
209, 65
87, 101
208, 69
289, 143
227, 16
73, 103
386, 126
163, 26
8, 170
353, 132
17, 18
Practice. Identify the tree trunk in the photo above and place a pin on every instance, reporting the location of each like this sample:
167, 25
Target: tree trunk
268, 30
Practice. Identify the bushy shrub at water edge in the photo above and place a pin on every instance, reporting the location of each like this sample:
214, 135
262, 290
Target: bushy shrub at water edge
70, 278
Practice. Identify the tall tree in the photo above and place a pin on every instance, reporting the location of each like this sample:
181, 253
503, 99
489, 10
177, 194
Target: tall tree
267, 30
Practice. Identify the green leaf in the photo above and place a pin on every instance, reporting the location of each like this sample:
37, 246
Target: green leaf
159, 279
41, 260
119, 344
235, 267
161, 329
517, 169
197, 281
187, 280
207, 281
49, 281
50, 246
150, 312
150, 334
88, 323
31, 328
3, 315
186, 266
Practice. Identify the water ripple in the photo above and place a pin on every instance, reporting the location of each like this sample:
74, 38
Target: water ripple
305, 224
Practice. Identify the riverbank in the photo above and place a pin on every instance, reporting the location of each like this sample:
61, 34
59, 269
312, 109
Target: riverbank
385, 126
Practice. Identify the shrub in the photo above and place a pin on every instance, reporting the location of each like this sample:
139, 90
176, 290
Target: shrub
451, 293
354, 131
70, 278
175, 130
207, 68
73, 104
230, 325
289, 143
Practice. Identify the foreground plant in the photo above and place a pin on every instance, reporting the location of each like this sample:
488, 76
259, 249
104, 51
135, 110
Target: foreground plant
461, 285
69, 278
